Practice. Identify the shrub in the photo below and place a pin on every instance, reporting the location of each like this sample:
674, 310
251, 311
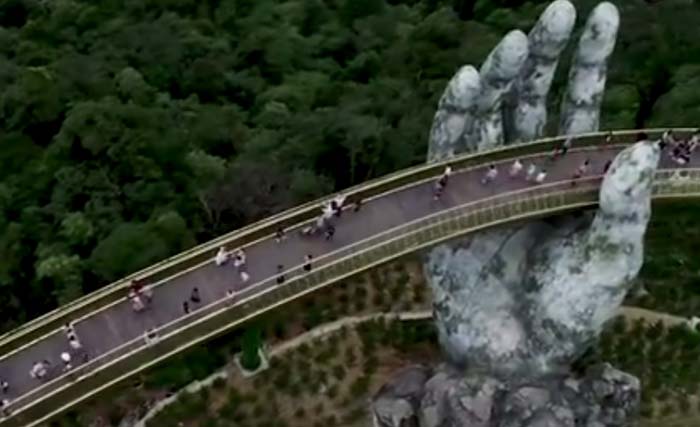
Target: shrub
418, 294
371, 365
250, 357
304, 349
313, 317
319, 409
204, 393
647, 411
219, 383
360, 292
332, 391
684, 404
354, 415
378, 298
360, 386
339, 372
667, 409
350, 357
258, 411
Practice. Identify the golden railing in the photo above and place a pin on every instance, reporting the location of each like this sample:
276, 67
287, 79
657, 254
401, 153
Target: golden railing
132, 357
158, 273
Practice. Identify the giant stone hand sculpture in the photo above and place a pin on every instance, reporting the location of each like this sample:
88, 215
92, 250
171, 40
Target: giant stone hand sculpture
525, 299
514, 307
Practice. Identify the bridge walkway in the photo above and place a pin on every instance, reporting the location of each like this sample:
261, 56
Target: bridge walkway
117, 324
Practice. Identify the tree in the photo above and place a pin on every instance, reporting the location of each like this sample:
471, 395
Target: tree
464, 9
357, 9
77, 229
250, 355
128, 248
132, 86
65, 272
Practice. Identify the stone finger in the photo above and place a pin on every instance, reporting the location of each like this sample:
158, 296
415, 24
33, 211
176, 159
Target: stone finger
525, 109
584, 278
580, 111
455, 114
497, 76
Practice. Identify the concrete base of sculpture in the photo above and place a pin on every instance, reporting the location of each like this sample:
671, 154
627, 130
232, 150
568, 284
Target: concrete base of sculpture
264, 364
420, 396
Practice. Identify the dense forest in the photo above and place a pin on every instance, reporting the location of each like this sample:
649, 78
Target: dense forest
133, 129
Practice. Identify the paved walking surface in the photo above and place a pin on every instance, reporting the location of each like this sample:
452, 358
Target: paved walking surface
118, 323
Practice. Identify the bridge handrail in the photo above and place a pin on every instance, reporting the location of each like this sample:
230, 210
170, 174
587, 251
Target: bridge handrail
295, 271
460, 219
237, 238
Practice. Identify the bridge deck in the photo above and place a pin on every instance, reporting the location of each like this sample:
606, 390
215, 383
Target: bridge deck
118, 324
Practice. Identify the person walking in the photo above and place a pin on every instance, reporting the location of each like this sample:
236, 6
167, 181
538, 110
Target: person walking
580, 171
186, 307
607, 166
539, 179
136, 303
446, 174
194, 296
437, 192
515, 168
566, 145
667, 138
531, 172
221, 257
490, 175
357, 205
330, 232
5, 386
280, 275
607, 142
244, 276
65, 356
280, 235
307, 263
39, 370
69, 329
336, 209
74, 343
4, 407
239, 258
150, 336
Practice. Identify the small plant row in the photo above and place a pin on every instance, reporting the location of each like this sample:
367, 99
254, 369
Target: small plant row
665, 359
325, 382
393, 287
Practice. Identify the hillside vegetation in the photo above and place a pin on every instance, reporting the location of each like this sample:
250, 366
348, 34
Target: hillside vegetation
133, 129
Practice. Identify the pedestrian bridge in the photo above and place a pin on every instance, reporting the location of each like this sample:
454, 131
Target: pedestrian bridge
398, 216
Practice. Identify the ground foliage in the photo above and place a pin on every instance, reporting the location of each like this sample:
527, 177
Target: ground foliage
670, 278
132, 130
392, 288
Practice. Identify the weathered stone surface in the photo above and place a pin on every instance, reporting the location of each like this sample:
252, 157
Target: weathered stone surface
582, 279
502, 297
397, 402
515, 306
603, 396
526, 110
529, 302
581, 103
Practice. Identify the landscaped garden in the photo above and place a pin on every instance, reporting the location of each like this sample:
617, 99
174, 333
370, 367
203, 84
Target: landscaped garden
671, 272
322, 373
